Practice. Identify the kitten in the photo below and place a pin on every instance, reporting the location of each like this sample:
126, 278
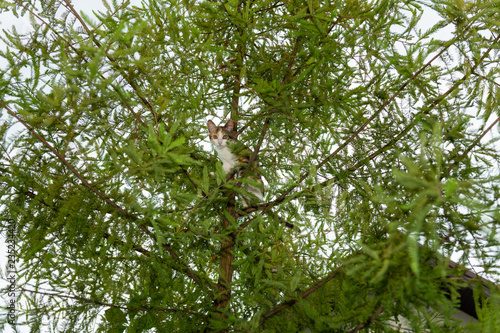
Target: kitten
223, 138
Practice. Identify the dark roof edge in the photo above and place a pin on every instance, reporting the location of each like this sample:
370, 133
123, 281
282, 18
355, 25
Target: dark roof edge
467, 302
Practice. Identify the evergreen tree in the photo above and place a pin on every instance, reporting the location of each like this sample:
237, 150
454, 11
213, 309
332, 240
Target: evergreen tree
373, 135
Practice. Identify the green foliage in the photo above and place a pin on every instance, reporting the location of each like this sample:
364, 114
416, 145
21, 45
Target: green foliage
374, 138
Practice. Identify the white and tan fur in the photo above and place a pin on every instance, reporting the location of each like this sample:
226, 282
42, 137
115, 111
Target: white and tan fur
220, 136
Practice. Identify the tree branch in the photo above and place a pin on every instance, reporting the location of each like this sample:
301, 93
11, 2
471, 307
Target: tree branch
306, 293
253, 157
475, 143
72, 169
122, 211
428, 109
369, 321
96, 302
285, 193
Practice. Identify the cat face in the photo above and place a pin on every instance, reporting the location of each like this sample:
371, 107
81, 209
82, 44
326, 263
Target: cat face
221, 135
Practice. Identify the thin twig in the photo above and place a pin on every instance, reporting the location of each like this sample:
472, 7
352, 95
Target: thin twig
96, 302
475, 143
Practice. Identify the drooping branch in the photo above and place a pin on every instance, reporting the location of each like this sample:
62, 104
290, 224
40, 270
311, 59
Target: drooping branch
366, 123
306, 293
432, 103
180, 267
106, 199
351, 138
106, 235
101, 303
72, 169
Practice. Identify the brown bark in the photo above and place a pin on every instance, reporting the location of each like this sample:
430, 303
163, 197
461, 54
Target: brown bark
226, 255
226, 267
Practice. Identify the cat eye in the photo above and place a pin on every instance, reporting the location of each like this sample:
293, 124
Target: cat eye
214, 136
225, 137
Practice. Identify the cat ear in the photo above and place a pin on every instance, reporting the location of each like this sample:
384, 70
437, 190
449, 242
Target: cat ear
211, 126
230, 125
